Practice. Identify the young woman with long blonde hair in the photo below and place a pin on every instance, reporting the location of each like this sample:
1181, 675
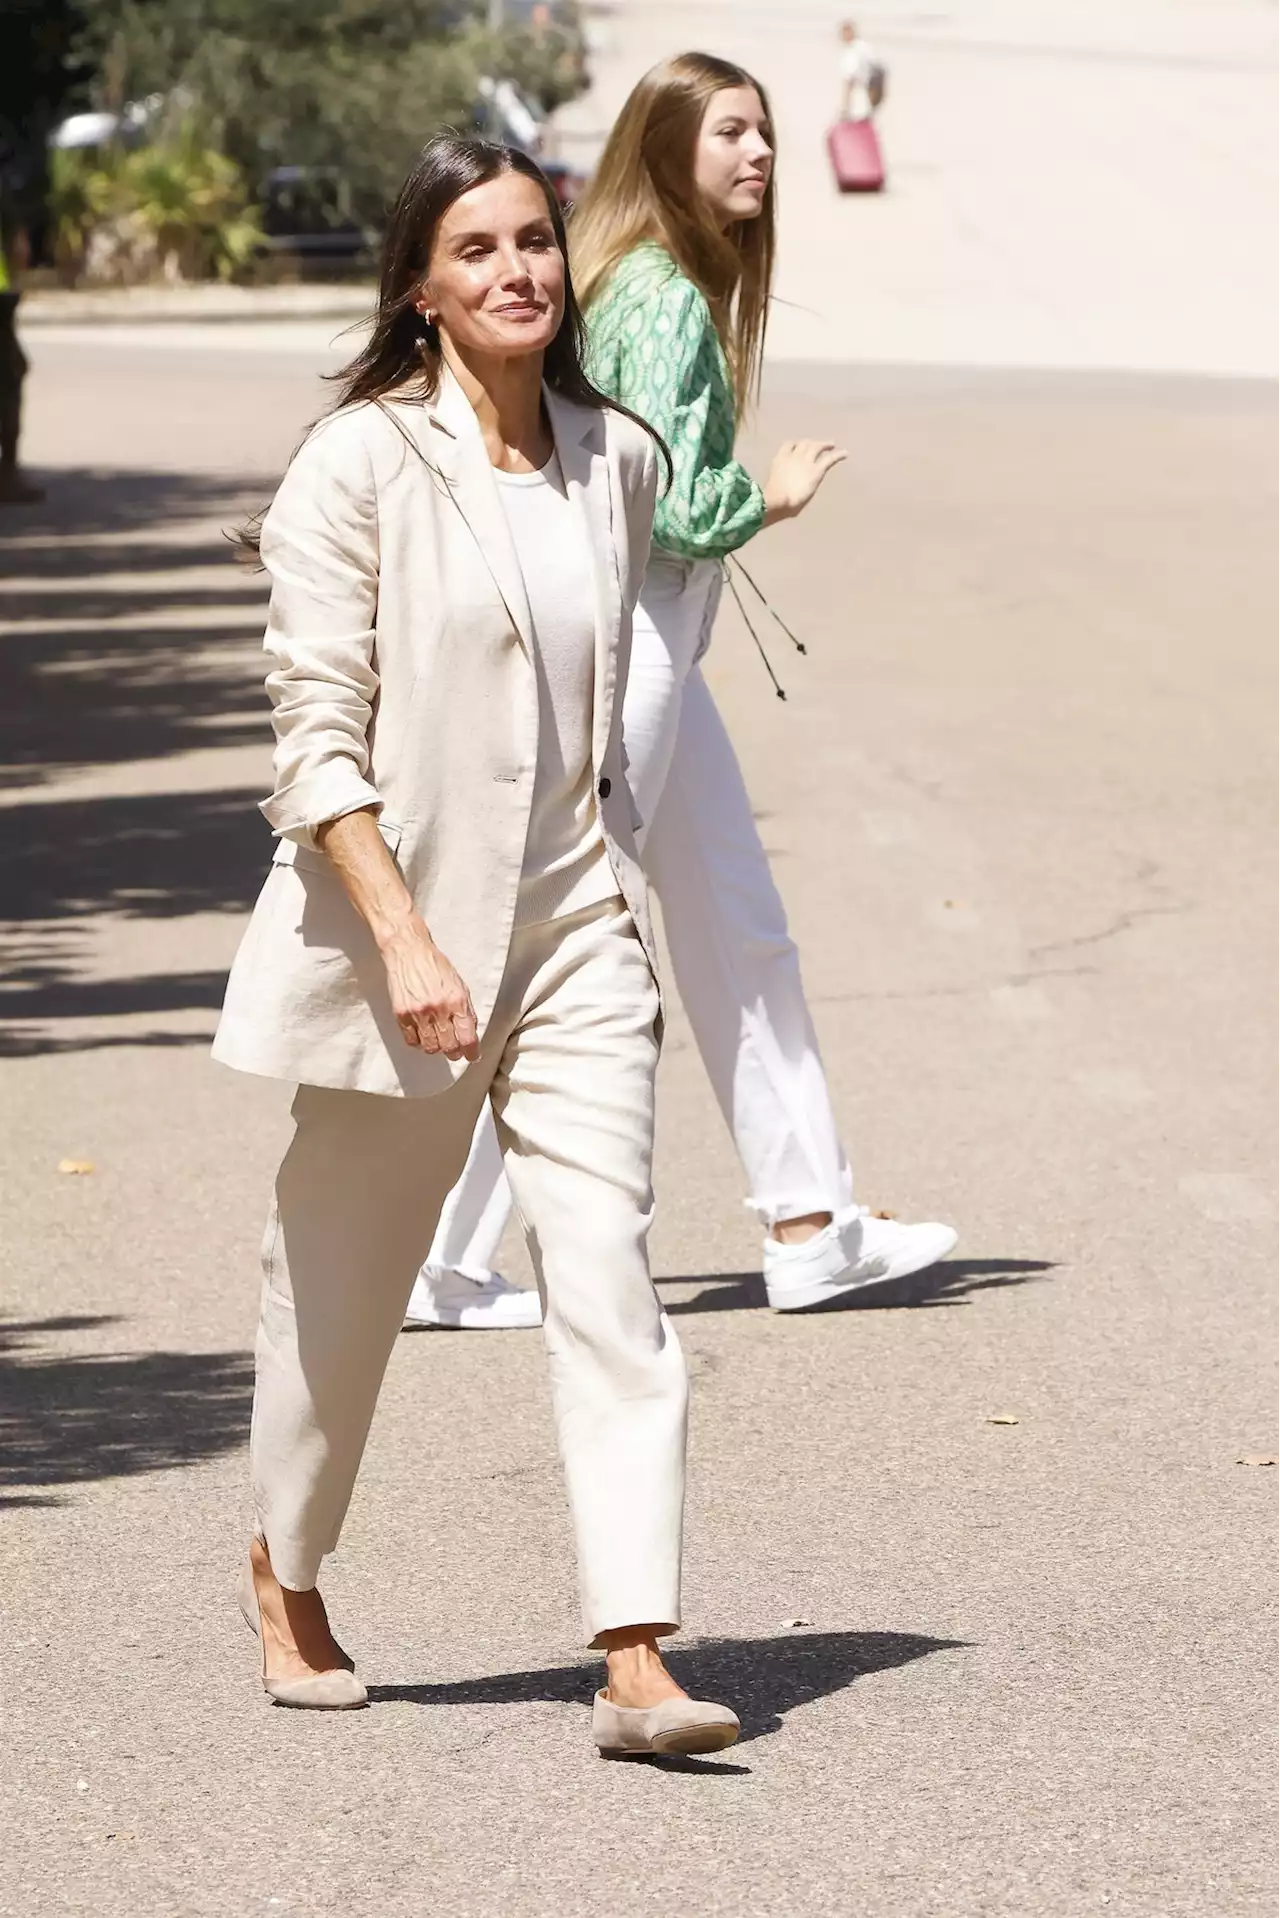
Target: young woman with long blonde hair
673, 248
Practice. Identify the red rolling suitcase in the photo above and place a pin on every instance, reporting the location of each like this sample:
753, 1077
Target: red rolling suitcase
855, 154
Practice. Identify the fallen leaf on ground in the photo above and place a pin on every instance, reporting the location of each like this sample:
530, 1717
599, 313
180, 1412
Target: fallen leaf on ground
75, 1165
1001, 1418
1251, 1458
791, 1623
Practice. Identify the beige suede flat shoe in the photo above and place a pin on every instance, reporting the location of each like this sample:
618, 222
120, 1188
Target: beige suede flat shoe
677, 1725
336, 1691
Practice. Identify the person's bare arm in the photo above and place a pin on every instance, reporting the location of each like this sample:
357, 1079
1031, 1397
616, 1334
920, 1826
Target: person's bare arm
431, 1003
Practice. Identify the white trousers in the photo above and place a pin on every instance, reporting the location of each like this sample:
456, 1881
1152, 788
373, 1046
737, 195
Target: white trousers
567, 1065
735, 966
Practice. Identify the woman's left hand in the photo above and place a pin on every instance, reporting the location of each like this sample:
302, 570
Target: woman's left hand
798, 470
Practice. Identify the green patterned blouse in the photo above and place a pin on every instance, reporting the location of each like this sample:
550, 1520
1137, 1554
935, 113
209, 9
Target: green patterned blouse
652, 344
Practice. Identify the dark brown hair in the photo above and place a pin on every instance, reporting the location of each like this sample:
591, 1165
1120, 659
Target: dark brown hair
402, 345
403, 350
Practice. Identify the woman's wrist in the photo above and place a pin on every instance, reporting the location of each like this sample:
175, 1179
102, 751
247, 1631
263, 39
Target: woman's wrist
371, 879
392, 926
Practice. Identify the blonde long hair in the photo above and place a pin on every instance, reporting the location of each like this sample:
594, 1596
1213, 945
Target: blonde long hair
643, 189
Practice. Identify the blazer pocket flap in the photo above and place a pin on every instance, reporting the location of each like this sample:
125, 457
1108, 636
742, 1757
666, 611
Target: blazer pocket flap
288, 852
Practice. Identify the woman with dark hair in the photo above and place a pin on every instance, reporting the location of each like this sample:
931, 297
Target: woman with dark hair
455, 914
673, 250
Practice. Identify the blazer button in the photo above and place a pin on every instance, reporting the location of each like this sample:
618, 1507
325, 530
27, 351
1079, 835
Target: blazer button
605, 787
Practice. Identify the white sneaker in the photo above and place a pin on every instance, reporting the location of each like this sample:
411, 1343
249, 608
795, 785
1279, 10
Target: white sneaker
853, 1252
470, 1301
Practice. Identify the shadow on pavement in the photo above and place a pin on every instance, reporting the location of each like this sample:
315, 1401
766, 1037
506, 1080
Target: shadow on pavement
121, 677
39, 993
66, 1419
106, 502
109, 694
947, 1283
762, 1678
144, 856
151, 856
116, 677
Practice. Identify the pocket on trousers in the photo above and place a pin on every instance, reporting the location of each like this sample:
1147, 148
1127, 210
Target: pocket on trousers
711, 606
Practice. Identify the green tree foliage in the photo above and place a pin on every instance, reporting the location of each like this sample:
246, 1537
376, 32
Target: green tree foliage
174, 208
353, 84
545, 54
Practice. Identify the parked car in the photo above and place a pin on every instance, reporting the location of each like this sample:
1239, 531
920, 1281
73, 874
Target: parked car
305, 212
128, 128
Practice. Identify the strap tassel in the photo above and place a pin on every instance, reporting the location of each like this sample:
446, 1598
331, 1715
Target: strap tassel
775, 616
754, 634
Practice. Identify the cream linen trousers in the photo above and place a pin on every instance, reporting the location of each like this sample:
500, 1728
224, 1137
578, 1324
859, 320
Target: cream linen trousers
735, 965
567, 1064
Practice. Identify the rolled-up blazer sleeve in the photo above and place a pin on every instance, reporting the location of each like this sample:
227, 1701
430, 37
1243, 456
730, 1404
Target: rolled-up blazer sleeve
320, 547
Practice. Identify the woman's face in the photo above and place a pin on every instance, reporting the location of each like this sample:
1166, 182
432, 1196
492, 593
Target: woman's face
495, 281
733, 157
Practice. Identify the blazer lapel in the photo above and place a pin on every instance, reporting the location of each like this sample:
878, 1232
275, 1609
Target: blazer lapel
447, 434
579, 437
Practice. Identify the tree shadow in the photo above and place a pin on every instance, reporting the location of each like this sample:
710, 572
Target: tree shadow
97, 674
35, 553
93, 676
98, 695
67, 1418
148, 856
947, 1283
237, 590
102, 502
143, 856
32, 1035
154, 856
761, 1678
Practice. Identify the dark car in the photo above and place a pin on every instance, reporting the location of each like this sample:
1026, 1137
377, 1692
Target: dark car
306, 213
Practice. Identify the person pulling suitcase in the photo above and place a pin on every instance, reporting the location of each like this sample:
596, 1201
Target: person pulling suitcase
852, 143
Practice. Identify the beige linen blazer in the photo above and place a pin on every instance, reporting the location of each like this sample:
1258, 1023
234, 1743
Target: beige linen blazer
404, 681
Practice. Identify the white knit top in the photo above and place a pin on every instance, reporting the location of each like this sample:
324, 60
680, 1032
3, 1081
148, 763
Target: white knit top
566, 866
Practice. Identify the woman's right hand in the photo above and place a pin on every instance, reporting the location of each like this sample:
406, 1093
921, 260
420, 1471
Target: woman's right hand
432, 1006
798, 470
